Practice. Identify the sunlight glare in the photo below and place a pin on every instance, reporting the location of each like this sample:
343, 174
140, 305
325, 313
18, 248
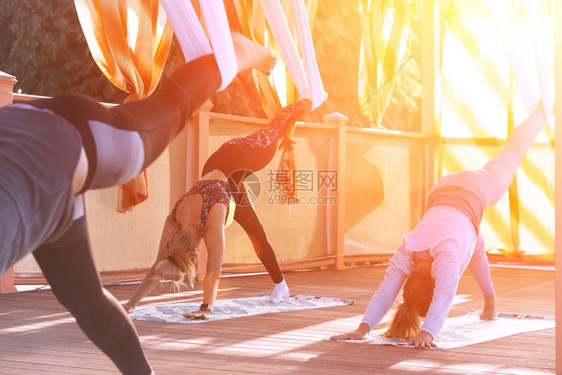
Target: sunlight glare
387, 26
162, 18
419, 365
290, 343
33, 327
489, 368
184, 293
162, 342
132, 28
478, 95
279, 79
461, 298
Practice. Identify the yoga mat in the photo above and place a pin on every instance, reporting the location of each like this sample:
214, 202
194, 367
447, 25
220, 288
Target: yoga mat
234, 308
469, 329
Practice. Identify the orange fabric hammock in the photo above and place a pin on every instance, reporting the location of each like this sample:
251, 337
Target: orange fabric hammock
129, 41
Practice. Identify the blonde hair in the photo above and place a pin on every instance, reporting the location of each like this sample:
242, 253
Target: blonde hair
418, 293
179, 265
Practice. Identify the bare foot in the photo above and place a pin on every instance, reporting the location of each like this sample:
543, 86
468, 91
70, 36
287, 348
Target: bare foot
198, 314
489, 311
251, 55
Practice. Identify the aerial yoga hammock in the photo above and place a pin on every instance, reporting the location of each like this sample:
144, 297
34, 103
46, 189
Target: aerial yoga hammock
304, 74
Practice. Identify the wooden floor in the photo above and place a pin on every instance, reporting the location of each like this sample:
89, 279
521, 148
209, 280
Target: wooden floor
37, 336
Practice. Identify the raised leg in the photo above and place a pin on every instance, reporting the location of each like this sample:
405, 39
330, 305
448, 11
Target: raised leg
502, 168
253, 152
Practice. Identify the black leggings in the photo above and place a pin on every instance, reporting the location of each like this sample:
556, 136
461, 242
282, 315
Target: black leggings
123, 140
70, 270
143, 129
240, 157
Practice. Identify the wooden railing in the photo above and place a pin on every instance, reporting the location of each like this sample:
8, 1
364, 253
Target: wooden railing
7, 83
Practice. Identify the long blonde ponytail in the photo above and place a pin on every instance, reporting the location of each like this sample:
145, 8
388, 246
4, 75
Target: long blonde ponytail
418, 293
405, 322
179, 264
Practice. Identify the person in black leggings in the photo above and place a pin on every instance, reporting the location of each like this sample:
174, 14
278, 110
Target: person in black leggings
202, 214
53, 150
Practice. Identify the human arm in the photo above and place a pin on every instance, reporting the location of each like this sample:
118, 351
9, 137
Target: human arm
480, 269
146, 286
214, 242
446, 270
149, 281
398, 270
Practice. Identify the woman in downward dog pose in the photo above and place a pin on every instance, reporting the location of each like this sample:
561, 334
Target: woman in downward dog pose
211, 204
433, 257
53, 150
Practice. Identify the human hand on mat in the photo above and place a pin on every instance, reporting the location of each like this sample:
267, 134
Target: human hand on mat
358, 334
353, 335
128, 308
198, 314
422, 340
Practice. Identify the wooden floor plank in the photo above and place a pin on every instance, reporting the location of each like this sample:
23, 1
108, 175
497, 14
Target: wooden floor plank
37, 336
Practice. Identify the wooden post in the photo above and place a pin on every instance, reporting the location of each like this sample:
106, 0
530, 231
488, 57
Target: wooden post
197, 154
197, 144
558, 181
7, 83
431, 107
336, 213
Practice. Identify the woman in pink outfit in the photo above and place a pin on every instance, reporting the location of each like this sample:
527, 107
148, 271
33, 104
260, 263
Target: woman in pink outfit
433, 257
